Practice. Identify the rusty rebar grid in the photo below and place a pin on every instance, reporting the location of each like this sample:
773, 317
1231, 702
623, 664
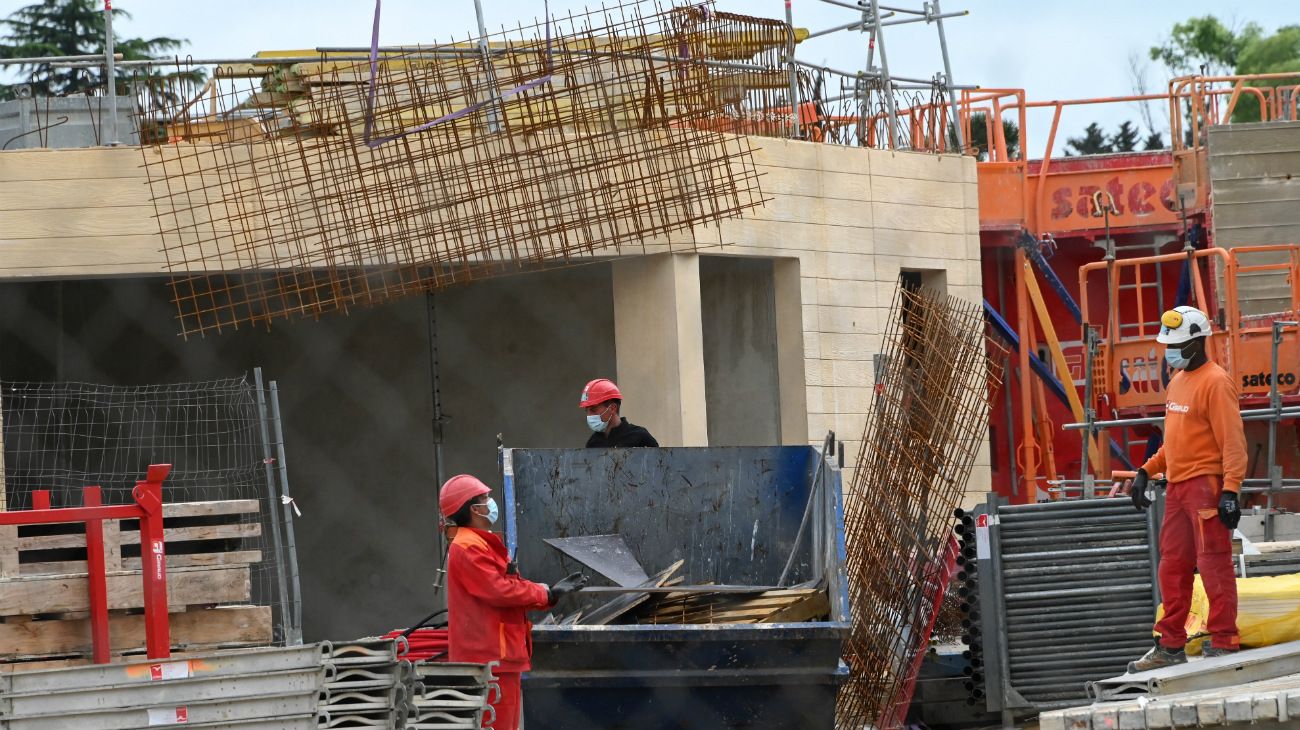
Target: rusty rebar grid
926, 423
329, 185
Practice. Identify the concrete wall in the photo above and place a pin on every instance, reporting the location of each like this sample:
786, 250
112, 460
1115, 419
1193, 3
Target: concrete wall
738, 302
1256, 201
356, 396
853, 219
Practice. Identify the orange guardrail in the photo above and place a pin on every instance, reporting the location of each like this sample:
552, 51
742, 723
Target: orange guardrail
1051, 195
1243, 346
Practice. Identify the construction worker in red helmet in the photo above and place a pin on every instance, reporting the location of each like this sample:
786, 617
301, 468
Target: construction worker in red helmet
487, 600
1204, 460
604, 403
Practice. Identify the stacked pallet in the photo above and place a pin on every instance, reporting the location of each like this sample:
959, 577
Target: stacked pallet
369, 686
44, 595
451, 696
1270, 558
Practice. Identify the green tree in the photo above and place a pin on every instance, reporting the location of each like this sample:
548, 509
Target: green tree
979, 137
73, 28
1154, 141
1204, 42
1125, 138
1207, 43
1093, 142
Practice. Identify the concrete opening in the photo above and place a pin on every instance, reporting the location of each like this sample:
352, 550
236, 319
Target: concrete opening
738, 309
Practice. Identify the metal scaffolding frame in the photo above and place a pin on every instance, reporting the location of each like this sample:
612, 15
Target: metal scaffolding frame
878, 80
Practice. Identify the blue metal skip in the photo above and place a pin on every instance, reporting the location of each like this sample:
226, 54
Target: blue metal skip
731, 514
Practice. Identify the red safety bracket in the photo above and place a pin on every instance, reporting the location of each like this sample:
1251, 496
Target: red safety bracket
148, 509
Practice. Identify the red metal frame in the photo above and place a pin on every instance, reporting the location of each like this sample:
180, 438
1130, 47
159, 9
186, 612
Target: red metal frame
148, 509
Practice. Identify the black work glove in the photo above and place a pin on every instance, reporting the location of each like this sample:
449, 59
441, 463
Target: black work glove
1138, 491
1229, 510
565, 587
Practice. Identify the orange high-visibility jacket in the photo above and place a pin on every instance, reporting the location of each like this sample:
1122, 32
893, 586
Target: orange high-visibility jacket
486, 609
1203, 431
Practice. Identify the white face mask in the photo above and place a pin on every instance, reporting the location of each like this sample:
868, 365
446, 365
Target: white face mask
595, 423
492, 511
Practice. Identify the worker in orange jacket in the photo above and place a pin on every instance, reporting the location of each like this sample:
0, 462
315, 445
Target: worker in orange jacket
487, 600
1204, 460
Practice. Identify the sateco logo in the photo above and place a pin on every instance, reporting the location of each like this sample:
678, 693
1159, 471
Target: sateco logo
1173, 407
1265, 380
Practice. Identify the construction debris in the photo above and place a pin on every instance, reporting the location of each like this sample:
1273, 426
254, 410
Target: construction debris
355, 182
788, 605
926, 423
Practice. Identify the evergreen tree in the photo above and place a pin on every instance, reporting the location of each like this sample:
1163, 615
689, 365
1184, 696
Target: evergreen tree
1093, 141
979, 137
72, 28
1154, 141
1125, 139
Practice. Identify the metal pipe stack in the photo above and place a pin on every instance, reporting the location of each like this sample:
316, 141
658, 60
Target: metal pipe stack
968, 589
1078, 596
250, 689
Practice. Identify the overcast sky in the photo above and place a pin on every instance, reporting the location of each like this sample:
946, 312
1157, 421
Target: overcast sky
1053, 49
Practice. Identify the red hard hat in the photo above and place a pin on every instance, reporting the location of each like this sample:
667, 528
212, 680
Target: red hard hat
598, 391
457, 491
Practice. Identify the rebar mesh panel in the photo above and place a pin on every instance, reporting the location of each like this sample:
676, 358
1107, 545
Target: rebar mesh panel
927, 420
64, 436
570, 138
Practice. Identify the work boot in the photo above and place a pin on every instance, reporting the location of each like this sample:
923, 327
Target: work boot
1210, 652
1158, 657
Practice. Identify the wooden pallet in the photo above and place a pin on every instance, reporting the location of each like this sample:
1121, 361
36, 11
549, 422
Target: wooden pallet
44, 591
190, 630
197, 534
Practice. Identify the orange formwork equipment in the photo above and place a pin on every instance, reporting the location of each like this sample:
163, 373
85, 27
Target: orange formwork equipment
1242, 345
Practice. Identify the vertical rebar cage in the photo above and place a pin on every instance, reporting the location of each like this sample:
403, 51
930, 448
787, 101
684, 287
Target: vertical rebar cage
928, 418
61, 437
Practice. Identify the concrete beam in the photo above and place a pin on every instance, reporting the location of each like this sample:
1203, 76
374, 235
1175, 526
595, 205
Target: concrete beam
659, 345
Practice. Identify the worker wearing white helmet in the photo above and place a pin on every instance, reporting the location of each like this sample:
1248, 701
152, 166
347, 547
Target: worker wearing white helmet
1204, 460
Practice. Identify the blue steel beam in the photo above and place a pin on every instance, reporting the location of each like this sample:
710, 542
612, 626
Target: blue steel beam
1003, 329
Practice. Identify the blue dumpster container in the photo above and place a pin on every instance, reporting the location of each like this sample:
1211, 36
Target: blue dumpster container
732, 515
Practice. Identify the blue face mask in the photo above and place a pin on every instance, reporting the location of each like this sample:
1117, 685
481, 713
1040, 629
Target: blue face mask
493, 512
595, 423
1174, 356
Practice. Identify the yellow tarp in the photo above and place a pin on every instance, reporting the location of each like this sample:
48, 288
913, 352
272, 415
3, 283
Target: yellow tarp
1268, 612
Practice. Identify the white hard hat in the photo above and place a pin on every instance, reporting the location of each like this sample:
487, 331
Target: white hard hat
1181, 324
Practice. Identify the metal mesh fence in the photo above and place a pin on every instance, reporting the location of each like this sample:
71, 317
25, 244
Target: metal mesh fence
217, 436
